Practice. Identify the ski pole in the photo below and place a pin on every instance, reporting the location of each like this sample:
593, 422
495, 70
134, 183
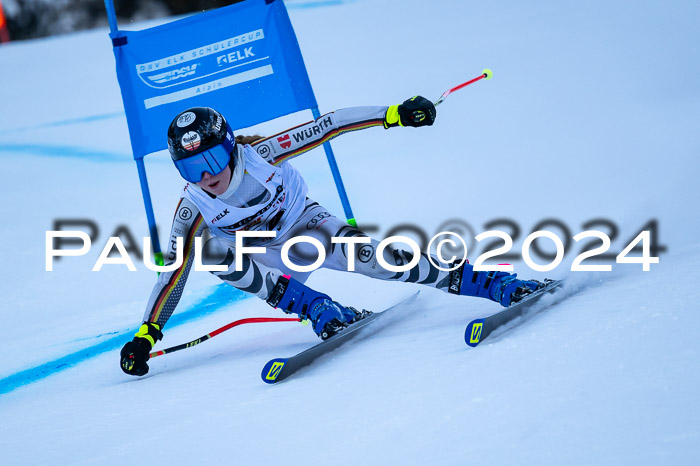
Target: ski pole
235, 323
486, 74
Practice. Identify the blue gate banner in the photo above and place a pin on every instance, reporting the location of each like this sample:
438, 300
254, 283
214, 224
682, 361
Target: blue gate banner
243, 60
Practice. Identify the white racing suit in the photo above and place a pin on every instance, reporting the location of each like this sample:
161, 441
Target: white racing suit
271, 196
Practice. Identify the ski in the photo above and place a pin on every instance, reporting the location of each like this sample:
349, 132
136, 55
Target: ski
479, 329
279, 369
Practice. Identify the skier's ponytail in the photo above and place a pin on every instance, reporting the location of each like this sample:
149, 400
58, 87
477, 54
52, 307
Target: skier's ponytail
243, 140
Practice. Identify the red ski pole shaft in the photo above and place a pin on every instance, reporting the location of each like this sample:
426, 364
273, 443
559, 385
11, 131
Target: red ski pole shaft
235, 323
486, 74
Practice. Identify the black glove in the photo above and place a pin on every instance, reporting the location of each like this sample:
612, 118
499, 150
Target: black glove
416, 111
136, 352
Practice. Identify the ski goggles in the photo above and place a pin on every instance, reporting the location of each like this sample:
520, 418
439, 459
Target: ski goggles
213, 160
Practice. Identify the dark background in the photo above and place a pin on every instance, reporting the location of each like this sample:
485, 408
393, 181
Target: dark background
29, 19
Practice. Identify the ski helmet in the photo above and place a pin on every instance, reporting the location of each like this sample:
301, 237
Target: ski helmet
200, 140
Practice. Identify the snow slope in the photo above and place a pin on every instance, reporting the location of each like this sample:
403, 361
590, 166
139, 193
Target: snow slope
592, 113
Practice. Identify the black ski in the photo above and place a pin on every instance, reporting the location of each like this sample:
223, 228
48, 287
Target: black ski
480, 329
279, 369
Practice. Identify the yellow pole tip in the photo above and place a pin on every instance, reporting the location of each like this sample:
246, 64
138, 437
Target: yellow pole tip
487, 73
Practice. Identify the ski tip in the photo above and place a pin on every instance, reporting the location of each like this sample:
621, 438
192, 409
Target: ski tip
488, 74
472, 335
272, 370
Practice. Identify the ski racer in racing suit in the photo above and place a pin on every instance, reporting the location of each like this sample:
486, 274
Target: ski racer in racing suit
238, 186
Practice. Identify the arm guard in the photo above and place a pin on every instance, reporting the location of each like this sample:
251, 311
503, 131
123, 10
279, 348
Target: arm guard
288, 144
187, 223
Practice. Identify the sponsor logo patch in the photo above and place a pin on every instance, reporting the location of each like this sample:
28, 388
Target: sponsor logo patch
172, 75
455, 280
220, 216
191, 140
365, 253
476, 333
260, 217
310, 131
203, 61
317, 221
274, 371
235, 56
185, 213
185, 119
284, 141
263, 150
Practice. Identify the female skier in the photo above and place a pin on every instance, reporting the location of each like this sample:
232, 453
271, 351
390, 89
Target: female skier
246, 184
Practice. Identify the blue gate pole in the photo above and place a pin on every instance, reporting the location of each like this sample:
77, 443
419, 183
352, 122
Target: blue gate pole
336, 176
141, 168
146, 194
111, 16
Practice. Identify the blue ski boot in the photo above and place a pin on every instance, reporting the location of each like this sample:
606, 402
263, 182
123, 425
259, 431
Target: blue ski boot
327, 316
502, 287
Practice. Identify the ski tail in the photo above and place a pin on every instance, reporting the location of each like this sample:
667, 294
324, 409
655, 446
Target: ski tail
479, 329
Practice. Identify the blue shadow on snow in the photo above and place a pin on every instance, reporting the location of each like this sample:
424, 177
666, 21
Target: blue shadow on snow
221, 296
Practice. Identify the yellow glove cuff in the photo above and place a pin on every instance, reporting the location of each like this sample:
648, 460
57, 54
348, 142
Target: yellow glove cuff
144, 332
392, 117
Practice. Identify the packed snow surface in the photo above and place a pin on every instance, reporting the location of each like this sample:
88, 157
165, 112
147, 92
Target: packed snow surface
592, 114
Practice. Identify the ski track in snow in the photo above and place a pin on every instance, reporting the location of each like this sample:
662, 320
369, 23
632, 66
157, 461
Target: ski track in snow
581, 120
